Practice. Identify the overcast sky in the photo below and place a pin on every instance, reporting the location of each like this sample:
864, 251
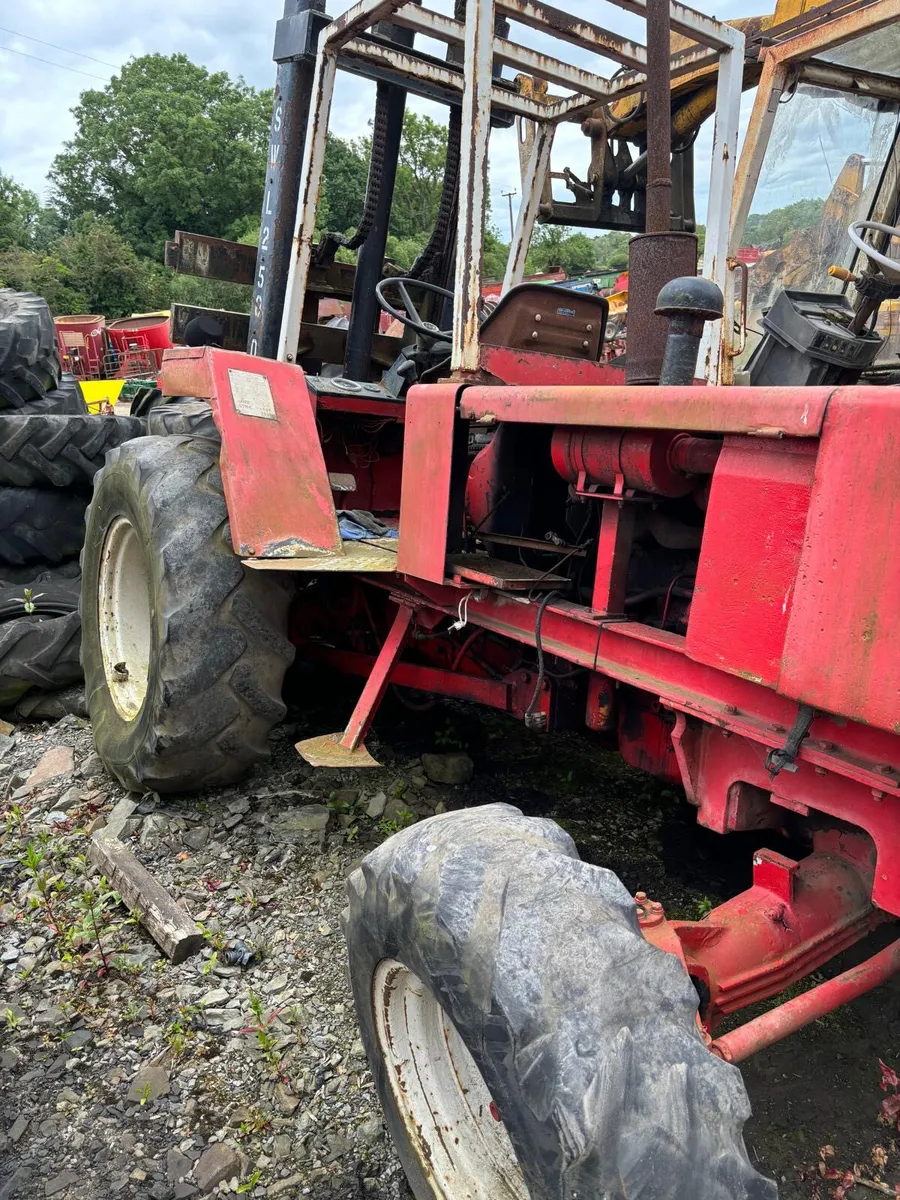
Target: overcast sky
237, 36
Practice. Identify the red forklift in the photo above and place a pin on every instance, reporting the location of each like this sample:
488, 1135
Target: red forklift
694, 554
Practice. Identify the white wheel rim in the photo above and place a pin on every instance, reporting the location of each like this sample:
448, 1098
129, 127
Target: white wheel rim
124, 617
445, 1105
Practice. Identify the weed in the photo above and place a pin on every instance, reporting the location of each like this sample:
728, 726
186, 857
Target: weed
180, 1029
27, 600
403, 820
210, 964
256, 1121
94, 904
250, 1182
14, 819
12, 1021
49, 887
144, 1094
265, 1039
214, 937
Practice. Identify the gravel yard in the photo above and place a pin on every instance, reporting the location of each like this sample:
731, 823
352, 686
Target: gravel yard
148, 1079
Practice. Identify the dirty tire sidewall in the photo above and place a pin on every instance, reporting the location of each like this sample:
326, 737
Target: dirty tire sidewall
218, 652
584, 1033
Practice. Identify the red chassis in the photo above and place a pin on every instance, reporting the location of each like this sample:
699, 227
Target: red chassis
776, 700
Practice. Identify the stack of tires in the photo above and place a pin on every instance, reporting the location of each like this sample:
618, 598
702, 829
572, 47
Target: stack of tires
50, 450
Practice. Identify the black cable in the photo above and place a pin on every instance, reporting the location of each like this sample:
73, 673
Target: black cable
529, 711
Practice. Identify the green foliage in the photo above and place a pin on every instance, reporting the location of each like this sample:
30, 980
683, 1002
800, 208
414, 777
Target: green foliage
343, 192
19, 211
403, 820
776, 227
496, 252
420, 175
165, 145
552, 246
611, 249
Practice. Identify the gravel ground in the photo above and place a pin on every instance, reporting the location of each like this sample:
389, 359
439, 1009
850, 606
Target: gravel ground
122, 1075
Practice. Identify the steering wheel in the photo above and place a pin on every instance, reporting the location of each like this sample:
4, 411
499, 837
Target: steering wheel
412, 318
889, 266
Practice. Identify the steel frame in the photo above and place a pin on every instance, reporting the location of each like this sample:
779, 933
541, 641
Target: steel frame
347, 44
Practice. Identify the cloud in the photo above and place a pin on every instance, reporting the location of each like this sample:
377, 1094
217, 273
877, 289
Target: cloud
235, 36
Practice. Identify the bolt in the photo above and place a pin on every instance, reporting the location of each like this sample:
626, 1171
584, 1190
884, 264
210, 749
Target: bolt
731, 708
534, 336
656, 906
824, 744
537, 316
585, 345
726, 733
777, 728
640, 897
884, 768
589, 328
821, 771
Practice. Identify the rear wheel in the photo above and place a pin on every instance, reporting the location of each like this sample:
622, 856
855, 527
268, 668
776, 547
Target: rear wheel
525, 1039
184, 649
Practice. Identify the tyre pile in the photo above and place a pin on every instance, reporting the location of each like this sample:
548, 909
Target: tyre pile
50, 450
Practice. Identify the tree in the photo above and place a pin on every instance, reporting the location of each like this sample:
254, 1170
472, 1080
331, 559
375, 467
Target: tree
611, 249
420, 176
552, 246
165, 145
19, 210
344, 179
776, 227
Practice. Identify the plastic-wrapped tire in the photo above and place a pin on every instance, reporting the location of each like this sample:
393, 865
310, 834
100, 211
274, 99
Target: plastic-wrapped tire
525, 1039
65, 401
38, 652
184, 649
38, 525
59, 451
192, 418
29, 362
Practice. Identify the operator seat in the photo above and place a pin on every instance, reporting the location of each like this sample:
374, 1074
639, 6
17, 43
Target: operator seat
550, 320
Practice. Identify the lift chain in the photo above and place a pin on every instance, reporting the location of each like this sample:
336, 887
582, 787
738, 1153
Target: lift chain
430, 257
330, 243
784, 759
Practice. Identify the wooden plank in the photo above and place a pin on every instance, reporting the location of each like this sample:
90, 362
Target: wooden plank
168, 923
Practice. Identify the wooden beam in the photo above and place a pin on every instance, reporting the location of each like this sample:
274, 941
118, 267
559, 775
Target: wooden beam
168, 923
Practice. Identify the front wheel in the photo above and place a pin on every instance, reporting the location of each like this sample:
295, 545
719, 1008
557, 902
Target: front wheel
527, 1043
184, 649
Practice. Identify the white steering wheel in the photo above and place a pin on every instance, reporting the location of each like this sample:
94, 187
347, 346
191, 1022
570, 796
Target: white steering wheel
889, 266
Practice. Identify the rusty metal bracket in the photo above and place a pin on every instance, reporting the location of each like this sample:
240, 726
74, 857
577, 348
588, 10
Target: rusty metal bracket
785, 759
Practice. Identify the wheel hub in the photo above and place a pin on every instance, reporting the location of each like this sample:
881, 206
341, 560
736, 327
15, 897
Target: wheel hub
124, 617
441, 1096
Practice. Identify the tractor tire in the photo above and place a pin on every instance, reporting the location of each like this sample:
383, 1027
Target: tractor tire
29, 362
525, 1039
40, 526
64, 401
187, 416
56, 451
184, 649
38, 652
